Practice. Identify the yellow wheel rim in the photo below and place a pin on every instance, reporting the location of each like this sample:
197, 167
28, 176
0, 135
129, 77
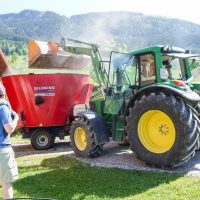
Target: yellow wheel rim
80, 139
156, 131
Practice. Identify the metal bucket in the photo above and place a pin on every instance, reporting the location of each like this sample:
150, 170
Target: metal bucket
48, 55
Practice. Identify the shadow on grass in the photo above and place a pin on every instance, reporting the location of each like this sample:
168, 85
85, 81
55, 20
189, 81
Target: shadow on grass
63, 178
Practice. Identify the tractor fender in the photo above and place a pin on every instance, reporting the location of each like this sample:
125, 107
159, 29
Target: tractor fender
188, 95
101, 131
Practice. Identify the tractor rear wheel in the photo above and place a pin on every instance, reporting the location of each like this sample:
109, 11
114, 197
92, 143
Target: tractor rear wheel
42, 139
83, 140
162, 130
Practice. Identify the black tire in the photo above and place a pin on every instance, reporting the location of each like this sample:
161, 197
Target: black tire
42, 139
198, 126
186, 129
198, 143
91, 149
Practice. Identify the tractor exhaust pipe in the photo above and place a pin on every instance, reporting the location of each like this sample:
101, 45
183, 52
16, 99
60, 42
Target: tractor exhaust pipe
5, 68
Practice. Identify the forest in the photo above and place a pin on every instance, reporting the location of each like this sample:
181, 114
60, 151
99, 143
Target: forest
109, 29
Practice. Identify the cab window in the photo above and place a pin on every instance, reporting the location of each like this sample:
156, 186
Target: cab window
148, 72
175, 67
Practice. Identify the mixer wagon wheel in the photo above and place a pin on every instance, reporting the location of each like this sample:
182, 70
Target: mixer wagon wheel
83, 140
162, 130
42, 139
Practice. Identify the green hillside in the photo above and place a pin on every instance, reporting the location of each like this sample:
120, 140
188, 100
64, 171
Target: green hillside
107, 29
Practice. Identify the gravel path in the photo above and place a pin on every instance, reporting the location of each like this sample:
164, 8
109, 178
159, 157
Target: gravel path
114, 156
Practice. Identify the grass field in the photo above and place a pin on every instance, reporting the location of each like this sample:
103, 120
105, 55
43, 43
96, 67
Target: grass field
62, 178
59, 177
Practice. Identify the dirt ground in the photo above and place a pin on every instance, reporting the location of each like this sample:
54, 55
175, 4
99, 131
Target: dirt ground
114, 156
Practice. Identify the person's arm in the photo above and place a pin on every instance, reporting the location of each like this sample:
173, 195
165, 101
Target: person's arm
10, 127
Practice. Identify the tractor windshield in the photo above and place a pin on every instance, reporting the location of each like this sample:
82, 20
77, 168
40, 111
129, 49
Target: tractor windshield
174, 66
194, 63
122, 75
122, 70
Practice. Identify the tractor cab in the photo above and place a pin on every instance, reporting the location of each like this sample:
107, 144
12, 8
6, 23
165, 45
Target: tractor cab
178, 63
149, 67
181, 67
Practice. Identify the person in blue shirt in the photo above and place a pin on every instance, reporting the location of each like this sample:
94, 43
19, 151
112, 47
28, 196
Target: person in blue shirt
8, 166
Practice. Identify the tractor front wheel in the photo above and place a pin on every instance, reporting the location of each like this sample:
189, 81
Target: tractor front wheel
162, 130
42, 139
83, 140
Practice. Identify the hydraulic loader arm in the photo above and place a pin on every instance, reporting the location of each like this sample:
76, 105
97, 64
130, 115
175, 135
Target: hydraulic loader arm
49, 55
92, 51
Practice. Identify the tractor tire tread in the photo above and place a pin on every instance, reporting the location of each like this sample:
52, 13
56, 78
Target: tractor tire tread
183, 115
92, 149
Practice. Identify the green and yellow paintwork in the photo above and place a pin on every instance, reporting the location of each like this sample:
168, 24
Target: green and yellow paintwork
80, 138
156, 131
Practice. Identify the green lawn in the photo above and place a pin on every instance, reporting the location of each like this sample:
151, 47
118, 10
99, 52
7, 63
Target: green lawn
56, 176
59, 177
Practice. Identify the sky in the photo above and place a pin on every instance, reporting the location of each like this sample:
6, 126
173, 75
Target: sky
187, 10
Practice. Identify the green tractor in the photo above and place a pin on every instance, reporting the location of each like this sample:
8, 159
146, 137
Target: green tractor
150, 101
147, 98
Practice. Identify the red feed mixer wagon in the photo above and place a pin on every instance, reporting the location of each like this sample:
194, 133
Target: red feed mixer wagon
46, 103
